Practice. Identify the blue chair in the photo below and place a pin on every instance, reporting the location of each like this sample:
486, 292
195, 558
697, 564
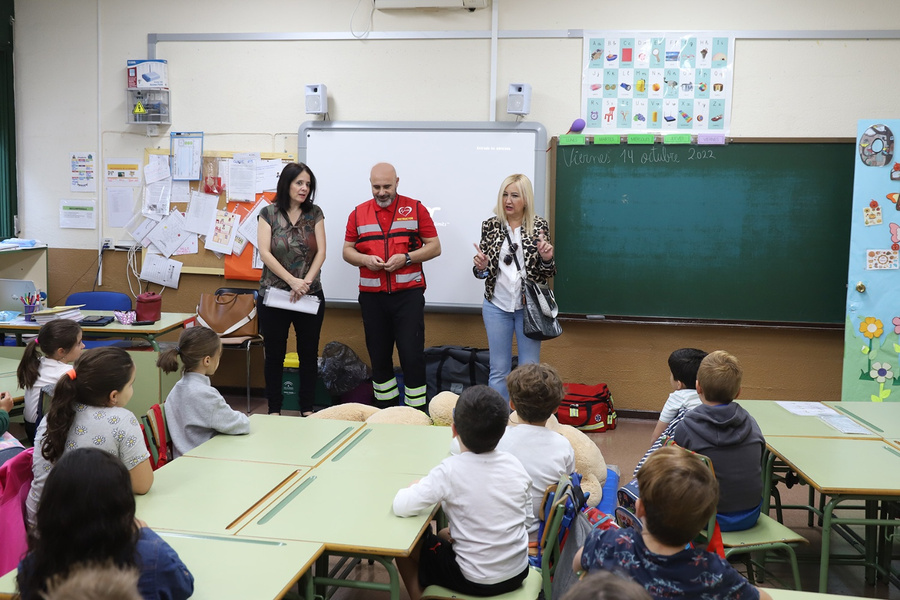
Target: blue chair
100, 301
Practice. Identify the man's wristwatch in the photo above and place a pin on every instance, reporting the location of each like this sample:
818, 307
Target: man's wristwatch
408, 259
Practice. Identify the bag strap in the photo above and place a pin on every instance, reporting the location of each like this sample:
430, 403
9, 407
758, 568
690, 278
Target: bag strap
234, 327
515, 258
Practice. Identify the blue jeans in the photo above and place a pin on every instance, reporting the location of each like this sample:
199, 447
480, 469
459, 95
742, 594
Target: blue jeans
500, 326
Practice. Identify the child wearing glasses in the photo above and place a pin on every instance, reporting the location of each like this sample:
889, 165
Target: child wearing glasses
515, 244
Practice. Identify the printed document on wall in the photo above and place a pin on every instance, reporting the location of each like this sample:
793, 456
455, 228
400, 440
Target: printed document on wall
83, 172
164, 271
77, 214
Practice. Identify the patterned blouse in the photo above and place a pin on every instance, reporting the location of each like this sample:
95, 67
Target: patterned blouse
294, 246
493, 234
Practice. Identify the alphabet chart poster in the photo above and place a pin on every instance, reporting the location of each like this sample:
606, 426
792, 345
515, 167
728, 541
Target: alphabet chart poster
656, 82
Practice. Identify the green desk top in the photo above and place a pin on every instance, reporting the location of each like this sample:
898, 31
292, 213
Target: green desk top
842, 466
284, 440
230, 567
794, 595
208, 496
348, 510
8, 383
775, 420
383, 447
881, 417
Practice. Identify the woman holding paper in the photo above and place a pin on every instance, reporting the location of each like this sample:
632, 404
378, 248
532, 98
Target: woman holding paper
291, 234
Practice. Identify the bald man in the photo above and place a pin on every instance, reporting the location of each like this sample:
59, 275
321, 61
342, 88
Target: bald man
388, 238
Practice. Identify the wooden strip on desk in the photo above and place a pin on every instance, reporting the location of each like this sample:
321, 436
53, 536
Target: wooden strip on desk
263, 500
350, 446
860, 419
334, 440
277, 508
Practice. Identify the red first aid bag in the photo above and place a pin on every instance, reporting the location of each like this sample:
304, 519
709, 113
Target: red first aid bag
587, 407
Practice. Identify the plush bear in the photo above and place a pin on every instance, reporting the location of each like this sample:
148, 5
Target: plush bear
441, 408
589, 462
351, 411
402, 415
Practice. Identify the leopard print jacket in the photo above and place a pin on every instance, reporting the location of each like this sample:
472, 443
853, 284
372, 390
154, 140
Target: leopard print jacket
493, 233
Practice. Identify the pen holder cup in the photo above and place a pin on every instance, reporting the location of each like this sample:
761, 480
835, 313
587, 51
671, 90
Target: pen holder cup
29, 310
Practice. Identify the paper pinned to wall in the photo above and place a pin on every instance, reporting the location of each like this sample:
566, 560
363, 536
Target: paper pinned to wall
139, 228
249, 225
267, 173
164, 271
169, 235
157, 168
221, 236
123, 172
120, 205
201, 212
242, 177
83, 172
77, 214
157, 198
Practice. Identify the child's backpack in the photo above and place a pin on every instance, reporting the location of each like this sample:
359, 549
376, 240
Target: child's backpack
587, 407
156, 436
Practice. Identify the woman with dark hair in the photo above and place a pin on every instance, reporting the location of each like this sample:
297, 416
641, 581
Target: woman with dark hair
86, 517
291, 234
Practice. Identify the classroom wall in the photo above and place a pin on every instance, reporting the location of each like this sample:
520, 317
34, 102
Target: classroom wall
248, 96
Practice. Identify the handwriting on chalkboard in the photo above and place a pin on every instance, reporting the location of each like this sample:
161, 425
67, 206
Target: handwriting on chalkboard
575, 156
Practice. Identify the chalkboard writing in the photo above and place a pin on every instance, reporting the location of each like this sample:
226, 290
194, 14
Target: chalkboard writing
744, 232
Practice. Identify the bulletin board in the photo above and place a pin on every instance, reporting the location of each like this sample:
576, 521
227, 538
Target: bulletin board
206, 262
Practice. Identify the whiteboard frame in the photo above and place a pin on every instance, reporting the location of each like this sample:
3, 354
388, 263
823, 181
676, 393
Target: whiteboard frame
539, 180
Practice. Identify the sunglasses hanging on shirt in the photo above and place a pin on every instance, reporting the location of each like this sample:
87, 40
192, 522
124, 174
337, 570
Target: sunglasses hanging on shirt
507, 260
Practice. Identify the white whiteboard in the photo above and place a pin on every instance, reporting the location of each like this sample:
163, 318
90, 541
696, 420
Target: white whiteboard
454, 169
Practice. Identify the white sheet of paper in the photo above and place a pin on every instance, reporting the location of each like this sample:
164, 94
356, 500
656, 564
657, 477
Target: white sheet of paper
139, 228
83, 172
123, 172
257, 259
267, 172
156, 169
201, 213
240, 243
844, 424
169, 235
242, 177
120, 205
181, 191
77, 214
164, 271
191, 246
220, 237
224, 169
806, 409
157, 197
249, 225
187, 151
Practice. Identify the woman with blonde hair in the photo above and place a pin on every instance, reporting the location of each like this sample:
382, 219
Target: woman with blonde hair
515, 244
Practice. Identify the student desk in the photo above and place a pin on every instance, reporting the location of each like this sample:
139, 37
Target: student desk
211, 496
795, 595
881, 417
383, 447
284, 440
8, 380
267, 568
844, 469
167, 322
775, 420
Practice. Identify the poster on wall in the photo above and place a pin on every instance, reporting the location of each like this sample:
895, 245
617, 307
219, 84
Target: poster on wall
872, 330
662, 82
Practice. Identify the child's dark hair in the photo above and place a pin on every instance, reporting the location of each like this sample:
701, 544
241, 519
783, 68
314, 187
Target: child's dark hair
679, 494
195, 344
535, 391
98, 373
55, 335
86, 515
480, 418
683, 363
607, 585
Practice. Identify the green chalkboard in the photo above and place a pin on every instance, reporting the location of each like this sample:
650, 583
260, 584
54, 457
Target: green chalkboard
742, 232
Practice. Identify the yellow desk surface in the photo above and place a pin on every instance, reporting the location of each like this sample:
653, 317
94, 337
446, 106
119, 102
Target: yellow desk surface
775, 420
284, 440
211, 496
383, 447
881, 417
230, 567
347, 510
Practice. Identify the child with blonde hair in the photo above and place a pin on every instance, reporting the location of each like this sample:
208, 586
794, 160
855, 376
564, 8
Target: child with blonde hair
195, 410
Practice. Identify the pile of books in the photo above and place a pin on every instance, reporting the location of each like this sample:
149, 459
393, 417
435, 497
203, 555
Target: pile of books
58, 312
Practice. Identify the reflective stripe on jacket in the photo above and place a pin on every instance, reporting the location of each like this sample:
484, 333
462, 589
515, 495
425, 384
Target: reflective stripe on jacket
402, 238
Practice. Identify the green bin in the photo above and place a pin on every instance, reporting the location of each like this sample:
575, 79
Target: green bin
290, 382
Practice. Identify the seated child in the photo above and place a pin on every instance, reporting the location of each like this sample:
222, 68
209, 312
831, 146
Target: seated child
486, 496
678, 496
605, 585
683, 365
195, 410
87, 517
726, 433
9, 445
535, 392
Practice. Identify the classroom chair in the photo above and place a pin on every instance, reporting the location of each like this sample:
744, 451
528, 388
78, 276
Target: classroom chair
156, 435
539, 580
767, 535
15, 481
100, 301
242, 343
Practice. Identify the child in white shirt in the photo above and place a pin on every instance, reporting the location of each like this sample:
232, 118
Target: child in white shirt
486, 496
683, 365
60, 342
535, 392
195, 410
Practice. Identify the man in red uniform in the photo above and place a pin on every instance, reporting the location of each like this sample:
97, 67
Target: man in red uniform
388, 238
